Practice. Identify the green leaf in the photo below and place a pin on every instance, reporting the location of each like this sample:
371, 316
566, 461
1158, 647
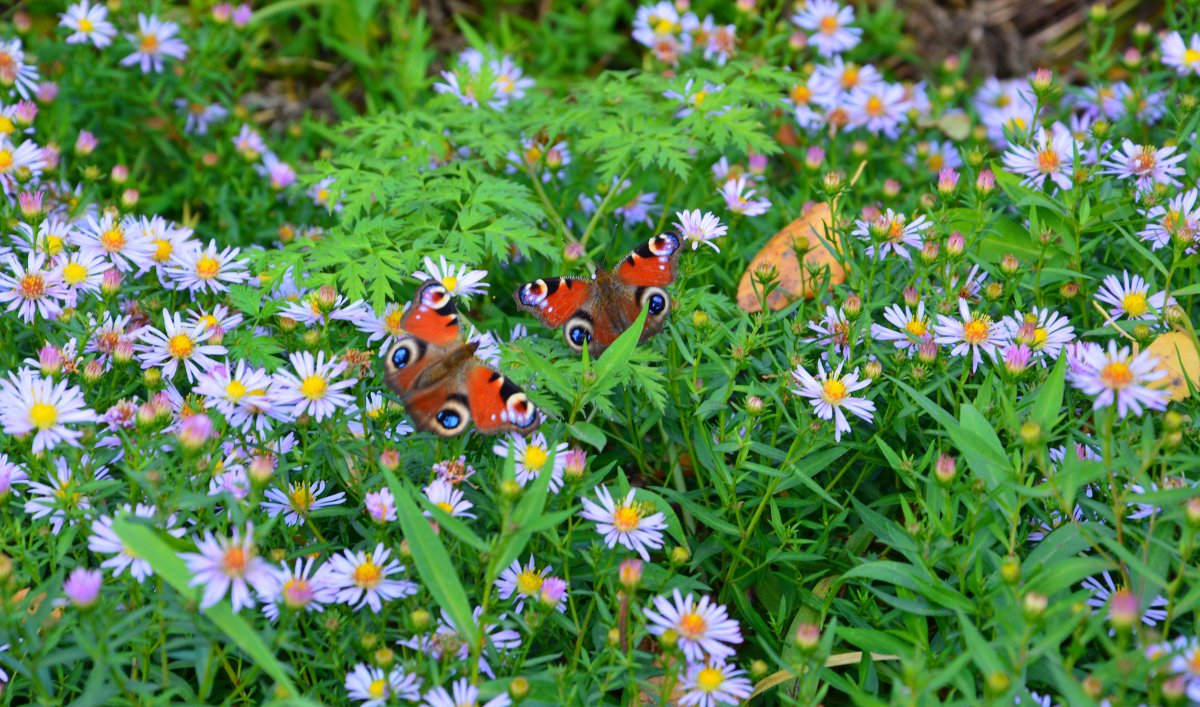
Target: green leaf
432, 561
617, 355
520, 523
1048, 403
148, 544
589, 433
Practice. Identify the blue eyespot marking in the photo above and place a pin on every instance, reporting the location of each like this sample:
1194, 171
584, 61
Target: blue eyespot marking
657, 304
449, 419
401, 356
580, 336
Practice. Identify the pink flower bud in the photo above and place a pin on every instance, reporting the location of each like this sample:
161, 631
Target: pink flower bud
85, 143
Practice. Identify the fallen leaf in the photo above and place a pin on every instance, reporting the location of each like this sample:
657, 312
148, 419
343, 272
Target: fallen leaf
780, 252
1177, 356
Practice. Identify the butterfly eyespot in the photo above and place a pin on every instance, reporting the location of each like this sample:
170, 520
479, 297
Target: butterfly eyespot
579, 332
664, 244
520, 411
452, 418
404, 353
655, 300
533, 293
435, 296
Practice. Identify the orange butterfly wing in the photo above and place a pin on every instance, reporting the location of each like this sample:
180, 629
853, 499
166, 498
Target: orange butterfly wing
655, 263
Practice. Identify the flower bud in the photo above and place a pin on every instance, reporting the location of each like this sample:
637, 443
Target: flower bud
129, 198
945, 469
368, 640
1193, 511
575, 464
385, 657
554, 591
832, 183
119, 174
947, 181
1016, 358
1010, 569
1035, 605
929, 254
852, 306
93, 371
574, 251
700, 319
419, 619
1042, 81
872, 369
1124, 610
194, 431
891, 188
807, 637
31, 203
985, 182
1031, 435
630, 574
152, 377
510, 489
85, 144
814, 157
927, 351
955, 244
83, 587
1174, 689
1009, 265
518, 688
1068, 290
261, 468
759, 669
110, 281
754, 405
998, 682
680, 555
389, 459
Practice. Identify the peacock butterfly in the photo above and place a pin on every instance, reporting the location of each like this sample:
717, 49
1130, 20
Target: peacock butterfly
595, 312
440, 380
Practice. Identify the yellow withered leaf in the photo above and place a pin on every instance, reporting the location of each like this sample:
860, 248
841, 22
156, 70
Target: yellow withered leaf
1177, 356
795, 281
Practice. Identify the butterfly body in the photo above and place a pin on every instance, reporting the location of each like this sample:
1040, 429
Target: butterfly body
595, 312
442, 383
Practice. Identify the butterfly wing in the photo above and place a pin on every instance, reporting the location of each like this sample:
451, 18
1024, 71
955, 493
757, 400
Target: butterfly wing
441, 382
640, 282
553, 300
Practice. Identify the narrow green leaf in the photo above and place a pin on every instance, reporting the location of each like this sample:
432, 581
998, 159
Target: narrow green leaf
1048, 403
432, 561
617, 355
149, 545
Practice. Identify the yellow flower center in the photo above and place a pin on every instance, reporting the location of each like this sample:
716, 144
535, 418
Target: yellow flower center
850, 77
378, 689
301, 497
209, 321
709, 679
323, 196
1048, 161
1193, 663
181, 346
1134, 304
1144, 160
163, 249
235, 390
935, 161
6, 125
875, 106
626, 519
368, 575
1116, 375
314, 387
234, 562
533, 155
916, 327
86, 26
699, 98
113, 239
529, 583
43, 415
692, 626
6, 160
54, 245
663, 26
148, 44
33, 286
207, 268
535, 457
391, 322
976, 332
445, 507
829, 24
1191, 56
74, 273
505, 84
801, 95
1039, 337
450, 282
834, 391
